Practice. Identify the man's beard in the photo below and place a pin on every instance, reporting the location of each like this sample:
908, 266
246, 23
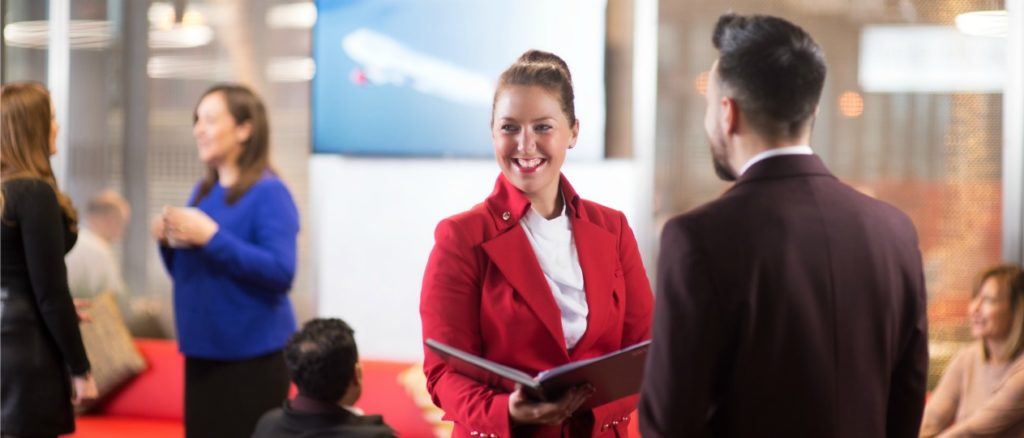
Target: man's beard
723, 171
721, 163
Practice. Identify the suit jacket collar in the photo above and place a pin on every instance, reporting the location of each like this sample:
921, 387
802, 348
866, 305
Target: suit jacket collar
784, 166
329, 415
511, 251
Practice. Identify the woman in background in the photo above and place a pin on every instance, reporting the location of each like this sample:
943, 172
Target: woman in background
982, 392
535, 276
43, 366
231, 255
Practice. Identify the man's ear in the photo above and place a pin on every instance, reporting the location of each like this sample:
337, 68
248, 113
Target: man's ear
730, 115
357, 378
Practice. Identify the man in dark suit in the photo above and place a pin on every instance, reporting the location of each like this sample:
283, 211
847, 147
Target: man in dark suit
322, 361
793, 305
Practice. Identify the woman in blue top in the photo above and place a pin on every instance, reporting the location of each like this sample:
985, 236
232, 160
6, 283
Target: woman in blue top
231, 254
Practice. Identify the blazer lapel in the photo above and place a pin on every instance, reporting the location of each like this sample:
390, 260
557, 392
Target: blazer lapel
512, 253
597, 249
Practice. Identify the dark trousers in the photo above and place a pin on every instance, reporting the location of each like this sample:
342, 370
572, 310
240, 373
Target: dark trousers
225, 399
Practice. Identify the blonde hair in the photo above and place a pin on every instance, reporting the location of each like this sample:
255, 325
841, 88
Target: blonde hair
25, 128
1010, 281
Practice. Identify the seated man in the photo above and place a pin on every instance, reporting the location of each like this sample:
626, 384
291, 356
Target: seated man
92, 265
323, 363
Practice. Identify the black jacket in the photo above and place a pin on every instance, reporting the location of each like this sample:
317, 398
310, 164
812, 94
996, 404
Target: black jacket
284, 422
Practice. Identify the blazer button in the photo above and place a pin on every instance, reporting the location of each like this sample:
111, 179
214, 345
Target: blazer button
604, 427
616, 422
474, 433
625, 419
506, 216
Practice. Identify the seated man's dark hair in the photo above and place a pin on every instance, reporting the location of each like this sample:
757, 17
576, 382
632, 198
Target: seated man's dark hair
773, 69
322, 358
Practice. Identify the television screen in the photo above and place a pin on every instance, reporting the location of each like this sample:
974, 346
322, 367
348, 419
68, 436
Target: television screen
416, 78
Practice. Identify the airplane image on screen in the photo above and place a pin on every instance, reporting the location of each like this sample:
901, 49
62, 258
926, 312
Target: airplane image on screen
384, 60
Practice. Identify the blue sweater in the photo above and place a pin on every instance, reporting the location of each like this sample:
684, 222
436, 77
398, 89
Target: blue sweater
231, 296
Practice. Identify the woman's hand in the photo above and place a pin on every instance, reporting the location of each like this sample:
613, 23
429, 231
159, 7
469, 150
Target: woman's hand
84, 389
81, 308
158, 230
523, 411
188, 226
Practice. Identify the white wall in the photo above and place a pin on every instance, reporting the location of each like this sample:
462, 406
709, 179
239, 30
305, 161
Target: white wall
373, 228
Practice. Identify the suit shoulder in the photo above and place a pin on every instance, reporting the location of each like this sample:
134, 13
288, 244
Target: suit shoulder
897, 219
699, 215
366, 431
267, 425
891, 210
477, 216
594, 209
471, 223
604, 216
679, 228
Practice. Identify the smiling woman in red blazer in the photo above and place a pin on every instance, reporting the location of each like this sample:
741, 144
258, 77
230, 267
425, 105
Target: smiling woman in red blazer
534, 277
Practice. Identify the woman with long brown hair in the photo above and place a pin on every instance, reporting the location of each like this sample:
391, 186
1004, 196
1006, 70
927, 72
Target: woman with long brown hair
43, 366
231, 254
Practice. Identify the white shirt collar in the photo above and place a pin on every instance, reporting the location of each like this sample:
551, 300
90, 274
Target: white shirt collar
532, 217
354, 410
774, 152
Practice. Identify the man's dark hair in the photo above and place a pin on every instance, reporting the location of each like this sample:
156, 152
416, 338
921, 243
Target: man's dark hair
772, 68
322, 358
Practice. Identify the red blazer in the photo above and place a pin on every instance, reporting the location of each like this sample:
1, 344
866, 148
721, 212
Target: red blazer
484, 292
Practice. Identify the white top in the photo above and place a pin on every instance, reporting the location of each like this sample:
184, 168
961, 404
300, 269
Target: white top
553, 243
92, 267
774, 152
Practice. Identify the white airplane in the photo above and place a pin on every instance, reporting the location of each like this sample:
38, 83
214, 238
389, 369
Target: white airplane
386, 61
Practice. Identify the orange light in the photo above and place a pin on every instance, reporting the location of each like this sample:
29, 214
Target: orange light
851, 104
192, 18
701, 83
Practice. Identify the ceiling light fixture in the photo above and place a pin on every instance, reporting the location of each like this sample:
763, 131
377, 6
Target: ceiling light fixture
994, 23
292, 16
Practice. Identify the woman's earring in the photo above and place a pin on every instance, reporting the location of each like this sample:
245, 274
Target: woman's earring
572, 146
